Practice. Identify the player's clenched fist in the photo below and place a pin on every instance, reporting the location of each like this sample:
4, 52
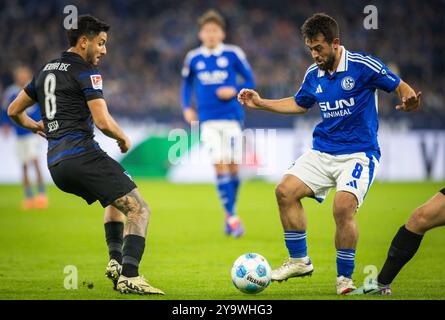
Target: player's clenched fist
249, 98
124, 145
40, 129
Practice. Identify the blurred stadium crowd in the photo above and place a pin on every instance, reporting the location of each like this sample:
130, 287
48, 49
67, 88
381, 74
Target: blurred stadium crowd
148, 41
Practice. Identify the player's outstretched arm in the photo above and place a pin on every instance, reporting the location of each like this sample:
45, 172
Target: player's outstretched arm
251, 99
105, 123
16, 111
410, 99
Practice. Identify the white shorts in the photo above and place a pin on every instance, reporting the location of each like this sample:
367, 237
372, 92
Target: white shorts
320, 171
223, 140
27, 148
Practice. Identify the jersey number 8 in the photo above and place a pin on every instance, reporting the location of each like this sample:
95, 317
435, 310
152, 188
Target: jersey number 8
50, 98
357, 171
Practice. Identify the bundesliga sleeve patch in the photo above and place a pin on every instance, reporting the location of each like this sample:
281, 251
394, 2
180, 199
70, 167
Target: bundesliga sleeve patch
96, 81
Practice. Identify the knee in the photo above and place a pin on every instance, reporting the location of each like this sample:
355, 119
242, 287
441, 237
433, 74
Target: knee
132, 205
344, 211
419, 220
140, 215
285, 194
140, 207
221, 168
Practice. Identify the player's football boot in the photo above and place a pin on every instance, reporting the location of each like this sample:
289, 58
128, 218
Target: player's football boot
41, 202
345, 285
227, 229
28, 204
113, 271
372, 288
293, 267
136, 285
234, 226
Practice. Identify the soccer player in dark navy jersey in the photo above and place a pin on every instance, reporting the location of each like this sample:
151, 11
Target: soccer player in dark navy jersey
405, 244
345, 151
69, 92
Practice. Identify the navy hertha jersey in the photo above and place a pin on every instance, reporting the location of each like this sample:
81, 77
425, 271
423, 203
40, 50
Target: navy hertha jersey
63, 88
205, 71
348, 103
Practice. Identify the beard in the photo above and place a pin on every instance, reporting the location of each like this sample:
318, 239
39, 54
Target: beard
325, 66
90, 55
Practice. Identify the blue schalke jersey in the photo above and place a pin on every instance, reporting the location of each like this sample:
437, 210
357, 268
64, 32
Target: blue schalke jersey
33, 112
207, 70
348, 103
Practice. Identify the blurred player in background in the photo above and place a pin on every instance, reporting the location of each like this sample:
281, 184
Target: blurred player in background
28, 144
69, 91
211, 71
406, 243
345, 151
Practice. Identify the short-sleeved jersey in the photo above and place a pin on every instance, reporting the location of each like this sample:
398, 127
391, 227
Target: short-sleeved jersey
62, 87
33, 112
348, 103
207, 70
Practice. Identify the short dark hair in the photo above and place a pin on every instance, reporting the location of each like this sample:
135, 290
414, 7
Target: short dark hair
320, 23
88, 26
211, 16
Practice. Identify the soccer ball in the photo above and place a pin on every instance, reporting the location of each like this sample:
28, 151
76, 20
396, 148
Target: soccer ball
251, 273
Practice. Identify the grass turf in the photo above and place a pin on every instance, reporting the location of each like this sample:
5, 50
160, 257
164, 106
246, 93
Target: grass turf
187, 254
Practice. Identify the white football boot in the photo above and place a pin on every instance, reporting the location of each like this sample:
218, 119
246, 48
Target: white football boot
113, 271
372, 287
345, 285
136, 285
293, 267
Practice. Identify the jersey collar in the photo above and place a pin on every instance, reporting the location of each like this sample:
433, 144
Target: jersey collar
73, 55
342, 65
217, 51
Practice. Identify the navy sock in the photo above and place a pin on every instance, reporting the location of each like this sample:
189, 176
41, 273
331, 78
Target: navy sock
345, 262
114, 234
226, 195
296, 243
132, 254
403, 247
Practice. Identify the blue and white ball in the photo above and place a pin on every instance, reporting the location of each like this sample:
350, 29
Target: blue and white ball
251, 273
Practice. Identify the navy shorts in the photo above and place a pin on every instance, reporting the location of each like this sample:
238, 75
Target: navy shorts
94, 176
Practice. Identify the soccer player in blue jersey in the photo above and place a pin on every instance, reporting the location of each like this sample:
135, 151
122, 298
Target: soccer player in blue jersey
27, 142
345, 151
211, 72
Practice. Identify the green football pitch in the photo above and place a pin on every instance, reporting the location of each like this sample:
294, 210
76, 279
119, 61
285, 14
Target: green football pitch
187, 254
